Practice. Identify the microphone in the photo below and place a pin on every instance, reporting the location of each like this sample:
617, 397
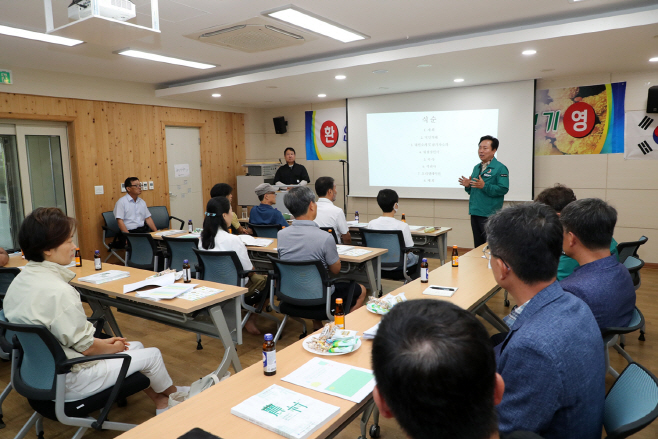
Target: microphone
343, 161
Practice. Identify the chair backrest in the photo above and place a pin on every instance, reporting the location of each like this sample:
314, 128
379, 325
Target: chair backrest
160, 217
391, 240
141, 251
634, 265
111, 223
7, 275
301, 282
221, 267
36, 354
179, 249
637, 322
265, 231
332, 231
626, 249
632, 402
5, 336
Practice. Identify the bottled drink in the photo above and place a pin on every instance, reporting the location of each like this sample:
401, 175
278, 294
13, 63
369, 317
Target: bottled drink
98, 265
339, 314
78, 259
190, 227
404, 220
187, 272
269, 356
424, 271
356, 216
455, 257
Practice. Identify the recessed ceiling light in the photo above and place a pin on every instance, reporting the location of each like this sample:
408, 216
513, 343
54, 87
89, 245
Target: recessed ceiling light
314, 23
379, 71
529, 52
322, 95
653, 59
165, 59
341, 76
22, 33
216, 95
575, 1
459, 80
424, 65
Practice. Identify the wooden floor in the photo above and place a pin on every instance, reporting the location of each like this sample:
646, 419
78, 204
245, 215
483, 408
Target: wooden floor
186, 364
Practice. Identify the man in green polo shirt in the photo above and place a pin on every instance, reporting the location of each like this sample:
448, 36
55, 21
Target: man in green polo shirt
487, 187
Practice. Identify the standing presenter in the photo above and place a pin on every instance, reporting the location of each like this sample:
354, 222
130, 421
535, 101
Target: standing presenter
291, 173
487, 186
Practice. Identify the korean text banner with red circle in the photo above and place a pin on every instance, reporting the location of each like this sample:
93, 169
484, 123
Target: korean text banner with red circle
580, 120
326, 134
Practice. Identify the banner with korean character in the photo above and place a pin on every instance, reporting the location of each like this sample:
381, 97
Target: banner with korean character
580, 120
326, 134
641, 136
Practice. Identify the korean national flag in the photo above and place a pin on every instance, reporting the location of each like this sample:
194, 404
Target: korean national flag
641, 141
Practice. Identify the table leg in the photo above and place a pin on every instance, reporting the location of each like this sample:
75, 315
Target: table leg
487, 314
230, 352
442, 245
105, 312
374, 273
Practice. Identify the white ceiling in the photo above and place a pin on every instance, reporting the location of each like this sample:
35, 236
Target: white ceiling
479, 40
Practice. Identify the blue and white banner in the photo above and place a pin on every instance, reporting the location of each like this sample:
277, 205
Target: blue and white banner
641, 141
326, 134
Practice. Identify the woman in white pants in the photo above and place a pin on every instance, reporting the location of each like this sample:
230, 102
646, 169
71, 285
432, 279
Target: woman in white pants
41, 295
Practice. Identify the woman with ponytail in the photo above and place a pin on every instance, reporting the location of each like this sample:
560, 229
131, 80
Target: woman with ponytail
215, 236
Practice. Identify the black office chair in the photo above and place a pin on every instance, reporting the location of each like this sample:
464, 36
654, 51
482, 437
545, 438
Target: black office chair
612, 337
111, 231
304, 292
142, 251
179, 249
162, 219
38, 372
7, 275
332, 231
626, 249
396, 257
226, 268
634, 265
265, 231
632, 402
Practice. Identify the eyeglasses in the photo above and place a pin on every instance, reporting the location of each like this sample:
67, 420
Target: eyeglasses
136, 185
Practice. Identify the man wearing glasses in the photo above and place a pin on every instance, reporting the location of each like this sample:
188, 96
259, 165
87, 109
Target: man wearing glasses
131, 212
552, 358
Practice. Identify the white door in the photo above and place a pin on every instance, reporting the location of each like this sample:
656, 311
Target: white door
184, 168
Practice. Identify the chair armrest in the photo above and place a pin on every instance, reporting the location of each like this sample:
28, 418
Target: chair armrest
245, 273
182, 223
348, 303
65, 366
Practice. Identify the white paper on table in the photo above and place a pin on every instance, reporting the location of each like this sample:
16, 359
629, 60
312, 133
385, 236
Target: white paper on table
166, 292
337, 379
200, 293
437, 290
159, 281
188, 235
169, 232
356, 224
255, 242
343, 248
370, 333
416, 228
356, 252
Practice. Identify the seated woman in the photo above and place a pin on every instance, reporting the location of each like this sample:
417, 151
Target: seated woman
41, 295
215, 236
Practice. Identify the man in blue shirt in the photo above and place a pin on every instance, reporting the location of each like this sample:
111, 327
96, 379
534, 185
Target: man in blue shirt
601, 281
552, 359
264, 213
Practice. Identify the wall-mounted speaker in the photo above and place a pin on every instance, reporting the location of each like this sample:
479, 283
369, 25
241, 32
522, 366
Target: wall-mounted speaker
280, 125
652, 100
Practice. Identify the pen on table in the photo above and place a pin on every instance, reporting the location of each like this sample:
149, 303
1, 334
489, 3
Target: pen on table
442, 288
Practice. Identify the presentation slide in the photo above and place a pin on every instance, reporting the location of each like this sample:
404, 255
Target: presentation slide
437, 144
420, 143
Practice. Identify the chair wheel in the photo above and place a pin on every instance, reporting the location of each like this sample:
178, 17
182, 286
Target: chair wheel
40, 435
374, 431
268, 308
2, 424
199, 346
622, 345
641, 337
302, 335
122, 402
506, 303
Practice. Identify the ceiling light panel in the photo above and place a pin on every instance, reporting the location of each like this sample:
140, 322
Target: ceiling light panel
314, 23
46, 38
165, 59
529, 52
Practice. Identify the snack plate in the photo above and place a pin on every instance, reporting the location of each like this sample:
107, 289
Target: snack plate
371, 307
307, 340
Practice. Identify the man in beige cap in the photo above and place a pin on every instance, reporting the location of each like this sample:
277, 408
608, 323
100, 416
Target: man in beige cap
265, 214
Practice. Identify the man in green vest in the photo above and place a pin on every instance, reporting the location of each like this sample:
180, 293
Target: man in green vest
486, 186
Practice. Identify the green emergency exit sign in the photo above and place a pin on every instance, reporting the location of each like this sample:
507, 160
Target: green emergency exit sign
5, 77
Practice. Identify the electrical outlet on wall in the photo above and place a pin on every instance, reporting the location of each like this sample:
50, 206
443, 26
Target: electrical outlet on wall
98, 190
150, 185
123, 187
145, 186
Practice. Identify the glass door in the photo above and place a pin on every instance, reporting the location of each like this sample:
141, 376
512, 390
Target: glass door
11, 199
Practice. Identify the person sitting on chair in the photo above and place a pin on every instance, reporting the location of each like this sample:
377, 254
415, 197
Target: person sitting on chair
4, 257
131, 212
328, 214
41, 295
388, 203
215, 236
265, 213
305, 241
225, 190
601, 281
436, 373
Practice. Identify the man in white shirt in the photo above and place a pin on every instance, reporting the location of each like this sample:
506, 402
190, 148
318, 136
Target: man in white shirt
328, 214
131, 212
388, 203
